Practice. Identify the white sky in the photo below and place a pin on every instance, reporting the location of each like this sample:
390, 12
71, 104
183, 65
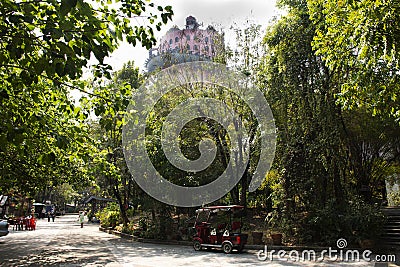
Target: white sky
223, 13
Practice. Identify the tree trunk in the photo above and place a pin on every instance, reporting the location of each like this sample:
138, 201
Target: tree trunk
235, 194
117, 195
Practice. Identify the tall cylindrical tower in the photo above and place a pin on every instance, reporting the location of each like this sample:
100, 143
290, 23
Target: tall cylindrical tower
185, 45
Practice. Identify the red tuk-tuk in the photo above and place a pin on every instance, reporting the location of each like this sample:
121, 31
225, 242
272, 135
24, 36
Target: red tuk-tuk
219, 227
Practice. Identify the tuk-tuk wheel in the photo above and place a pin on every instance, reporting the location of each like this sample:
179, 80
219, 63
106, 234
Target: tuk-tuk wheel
227, 247
196, 245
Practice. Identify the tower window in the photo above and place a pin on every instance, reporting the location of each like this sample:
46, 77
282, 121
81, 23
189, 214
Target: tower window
188, 47
196, 47
170, 41
176, 39
206, 39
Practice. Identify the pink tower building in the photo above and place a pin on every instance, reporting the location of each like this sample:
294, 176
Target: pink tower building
186, 45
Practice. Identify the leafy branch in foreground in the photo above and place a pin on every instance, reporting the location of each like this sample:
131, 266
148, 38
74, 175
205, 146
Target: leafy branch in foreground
57, 38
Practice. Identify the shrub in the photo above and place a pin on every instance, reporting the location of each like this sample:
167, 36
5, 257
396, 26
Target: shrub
109, 216
394, 198
357, 221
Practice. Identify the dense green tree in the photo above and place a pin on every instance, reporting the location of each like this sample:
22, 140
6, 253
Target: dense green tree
109, 108
44, 46
327, 156
360, 40
246, 57
55, 39
301, 92
373, 146
42, 140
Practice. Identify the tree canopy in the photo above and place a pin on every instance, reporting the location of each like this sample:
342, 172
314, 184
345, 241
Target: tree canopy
361, 41
55, 39
44, 46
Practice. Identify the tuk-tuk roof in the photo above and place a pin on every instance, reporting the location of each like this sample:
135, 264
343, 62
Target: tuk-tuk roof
228, 207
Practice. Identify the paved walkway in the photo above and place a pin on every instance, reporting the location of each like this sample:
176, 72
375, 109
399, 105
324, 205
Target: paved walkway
54, 243
64, 243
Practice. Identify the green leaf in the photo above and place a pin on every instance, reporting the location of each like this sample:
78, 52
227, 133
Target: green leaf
66, 6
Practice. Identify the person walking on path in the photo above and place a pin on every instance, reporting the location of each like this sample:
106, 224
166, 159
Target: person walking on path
43, 214
53, 213
81, 217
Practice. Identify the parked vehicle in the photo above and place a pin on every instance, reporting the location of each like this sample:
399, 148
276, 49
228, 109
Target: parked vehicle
3, 227
219, 227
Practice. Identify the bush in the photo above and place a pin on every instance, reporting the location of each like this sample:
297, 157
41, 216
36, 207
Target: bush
129, 229
394, 198
366, 221
146, 228
109, 216
161, 228
357, 221
90, 214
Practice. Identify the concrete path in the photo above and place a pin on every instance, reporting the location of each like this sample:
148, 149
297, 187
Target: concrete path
64, 243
